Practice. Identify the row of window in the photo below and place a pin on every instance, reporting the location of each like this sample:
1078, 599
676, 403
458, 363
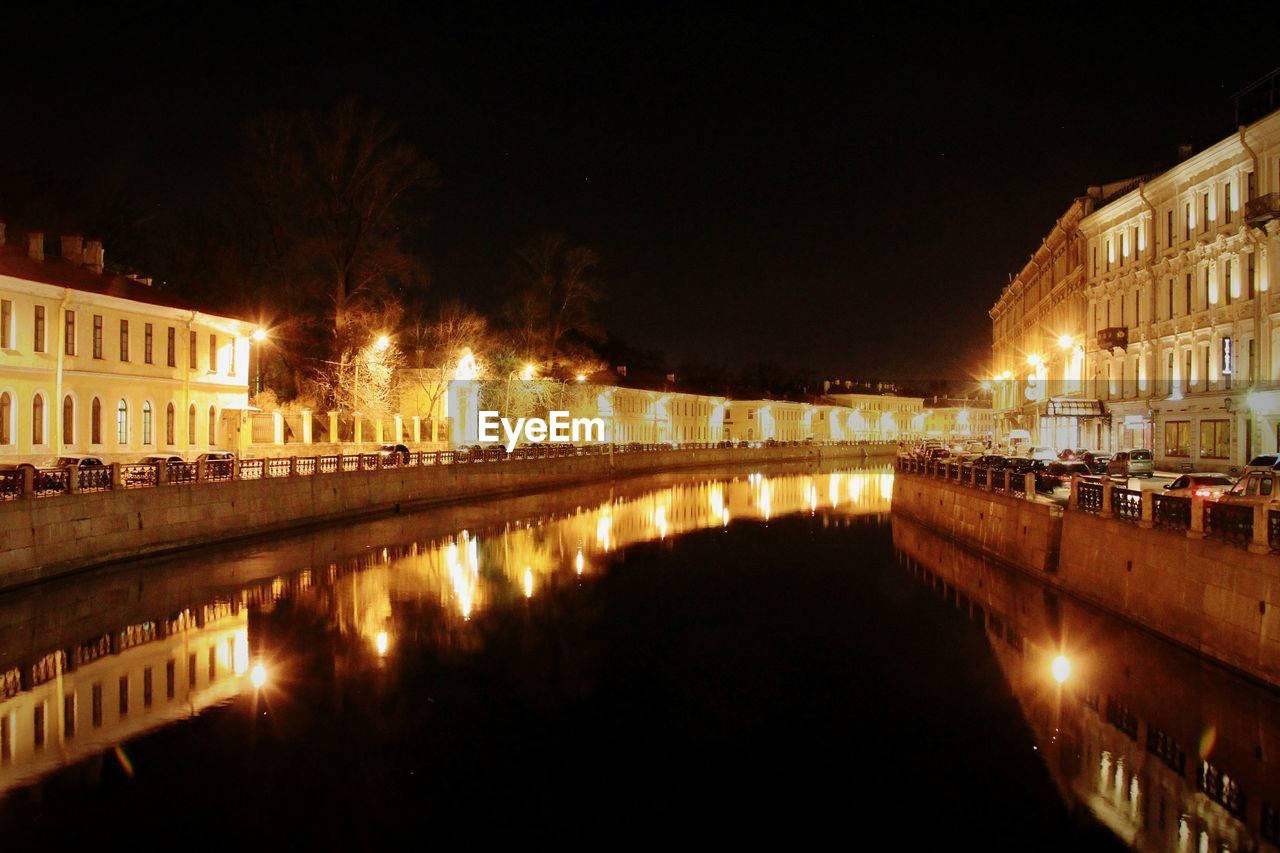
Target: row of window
1203, 210
8, 338
1227, 364
1215, 439
1188, 297
70, 705
38, 438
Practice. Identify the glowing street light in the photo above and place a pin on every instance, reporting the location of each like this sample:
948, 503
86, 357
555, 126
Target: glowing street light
258, 676
382, 343
582, 377
381, 642
1034, 360
1061, 669
527, 373
259, 335
1065, 341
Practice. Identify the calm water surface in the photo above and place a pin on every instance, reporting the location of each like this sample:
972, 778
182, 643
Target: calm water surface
718, 655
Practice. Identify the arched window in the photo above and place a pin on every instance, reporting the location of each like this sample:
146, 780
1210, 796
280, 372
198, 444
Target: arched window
146, 423
37, 419
168, 425
213, 426
122, 422
95, 422
191, 426
6, 418
68, 421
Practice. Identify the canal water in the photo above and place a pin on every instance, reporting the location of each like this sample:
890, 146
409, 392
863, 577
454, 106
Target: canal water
728, 655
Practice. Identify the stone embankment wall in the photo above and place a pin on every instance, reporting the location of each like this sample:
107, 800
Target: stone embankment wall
50, 536
1211, 596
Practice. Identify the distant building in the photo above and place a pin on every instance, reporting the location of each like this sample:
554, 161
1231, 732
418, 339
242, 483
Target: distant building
102, 364
958, 419
880, 417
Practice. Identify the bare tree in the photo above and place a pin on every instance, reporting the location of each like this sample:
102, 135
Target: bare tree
332, 196
440, 344
553, 311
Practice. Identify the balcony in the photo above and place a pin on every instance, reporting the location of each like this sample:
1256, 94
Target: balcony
1261, 210
1116, 337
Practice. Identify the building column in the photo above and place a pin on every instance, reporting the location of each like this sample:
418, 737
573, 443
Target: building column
306, 426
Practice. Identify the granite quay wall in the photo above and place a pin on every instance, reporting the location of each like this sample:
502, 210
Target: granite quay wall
43, 535
1196, 572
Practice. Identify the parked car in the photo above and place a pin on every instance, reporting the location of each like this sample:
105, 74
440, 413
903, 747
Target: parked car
937, 454
79, 462
1208, 485
1047, 454
1132, 463
216, 456
1256, 487
1056, 476
1265, 462
157, 458
1096, 461
991, 460
391, 451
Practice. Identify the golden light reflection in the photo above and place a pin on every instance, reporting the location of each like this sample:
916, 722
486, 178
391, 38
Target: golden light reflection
465, 571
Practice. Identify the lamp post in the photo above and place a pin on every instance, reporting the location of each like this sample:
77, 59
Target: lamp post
259, 335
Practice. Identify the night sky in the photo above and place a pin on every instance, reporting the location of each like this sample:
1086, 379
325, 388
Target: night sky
848, 194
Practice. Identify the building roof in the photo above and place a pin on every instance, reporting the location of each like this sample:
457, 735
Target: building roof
16, 263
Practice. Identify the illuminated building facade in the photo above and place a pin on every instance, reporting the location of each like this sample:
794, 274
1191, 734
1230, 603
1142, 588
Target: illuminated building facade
1038, 344
94, 363
881, 417
1181, 334
971, 420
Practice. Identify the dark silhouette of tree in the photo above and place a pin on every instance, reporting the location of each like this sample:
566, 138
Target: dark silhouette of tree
552, 317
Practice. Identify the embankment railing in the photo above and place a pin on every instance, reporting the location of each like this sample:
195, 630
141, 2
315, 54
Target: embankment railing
27, 481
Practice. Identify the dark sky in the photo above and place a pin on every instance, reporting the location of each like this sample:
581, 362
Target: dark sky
848, 193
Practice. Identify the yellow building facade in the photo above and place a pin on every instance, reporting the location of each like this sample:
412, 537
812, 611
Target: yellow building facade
105, 365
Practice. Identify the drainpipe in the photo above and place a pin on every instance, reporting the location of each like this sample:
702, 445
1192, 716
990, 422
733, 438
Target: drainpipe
56, 403
186, 386
1261, 336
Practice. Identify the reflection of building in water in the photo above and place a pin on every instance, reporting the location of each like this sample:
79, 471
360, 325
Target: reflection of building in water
73, 703
469, 568
59, 707
1165, 751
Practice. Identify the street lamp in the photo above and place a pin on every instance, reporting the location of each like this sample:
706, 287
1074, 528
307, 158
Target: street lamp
259, 335
1065, 341
382, 343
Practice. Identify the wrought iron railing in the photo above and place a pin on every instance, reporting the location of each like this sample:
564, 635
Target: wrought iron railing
1228, 522
139, 476
1171, 512
181, 472
11, 484
1090, 497
1126, 504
